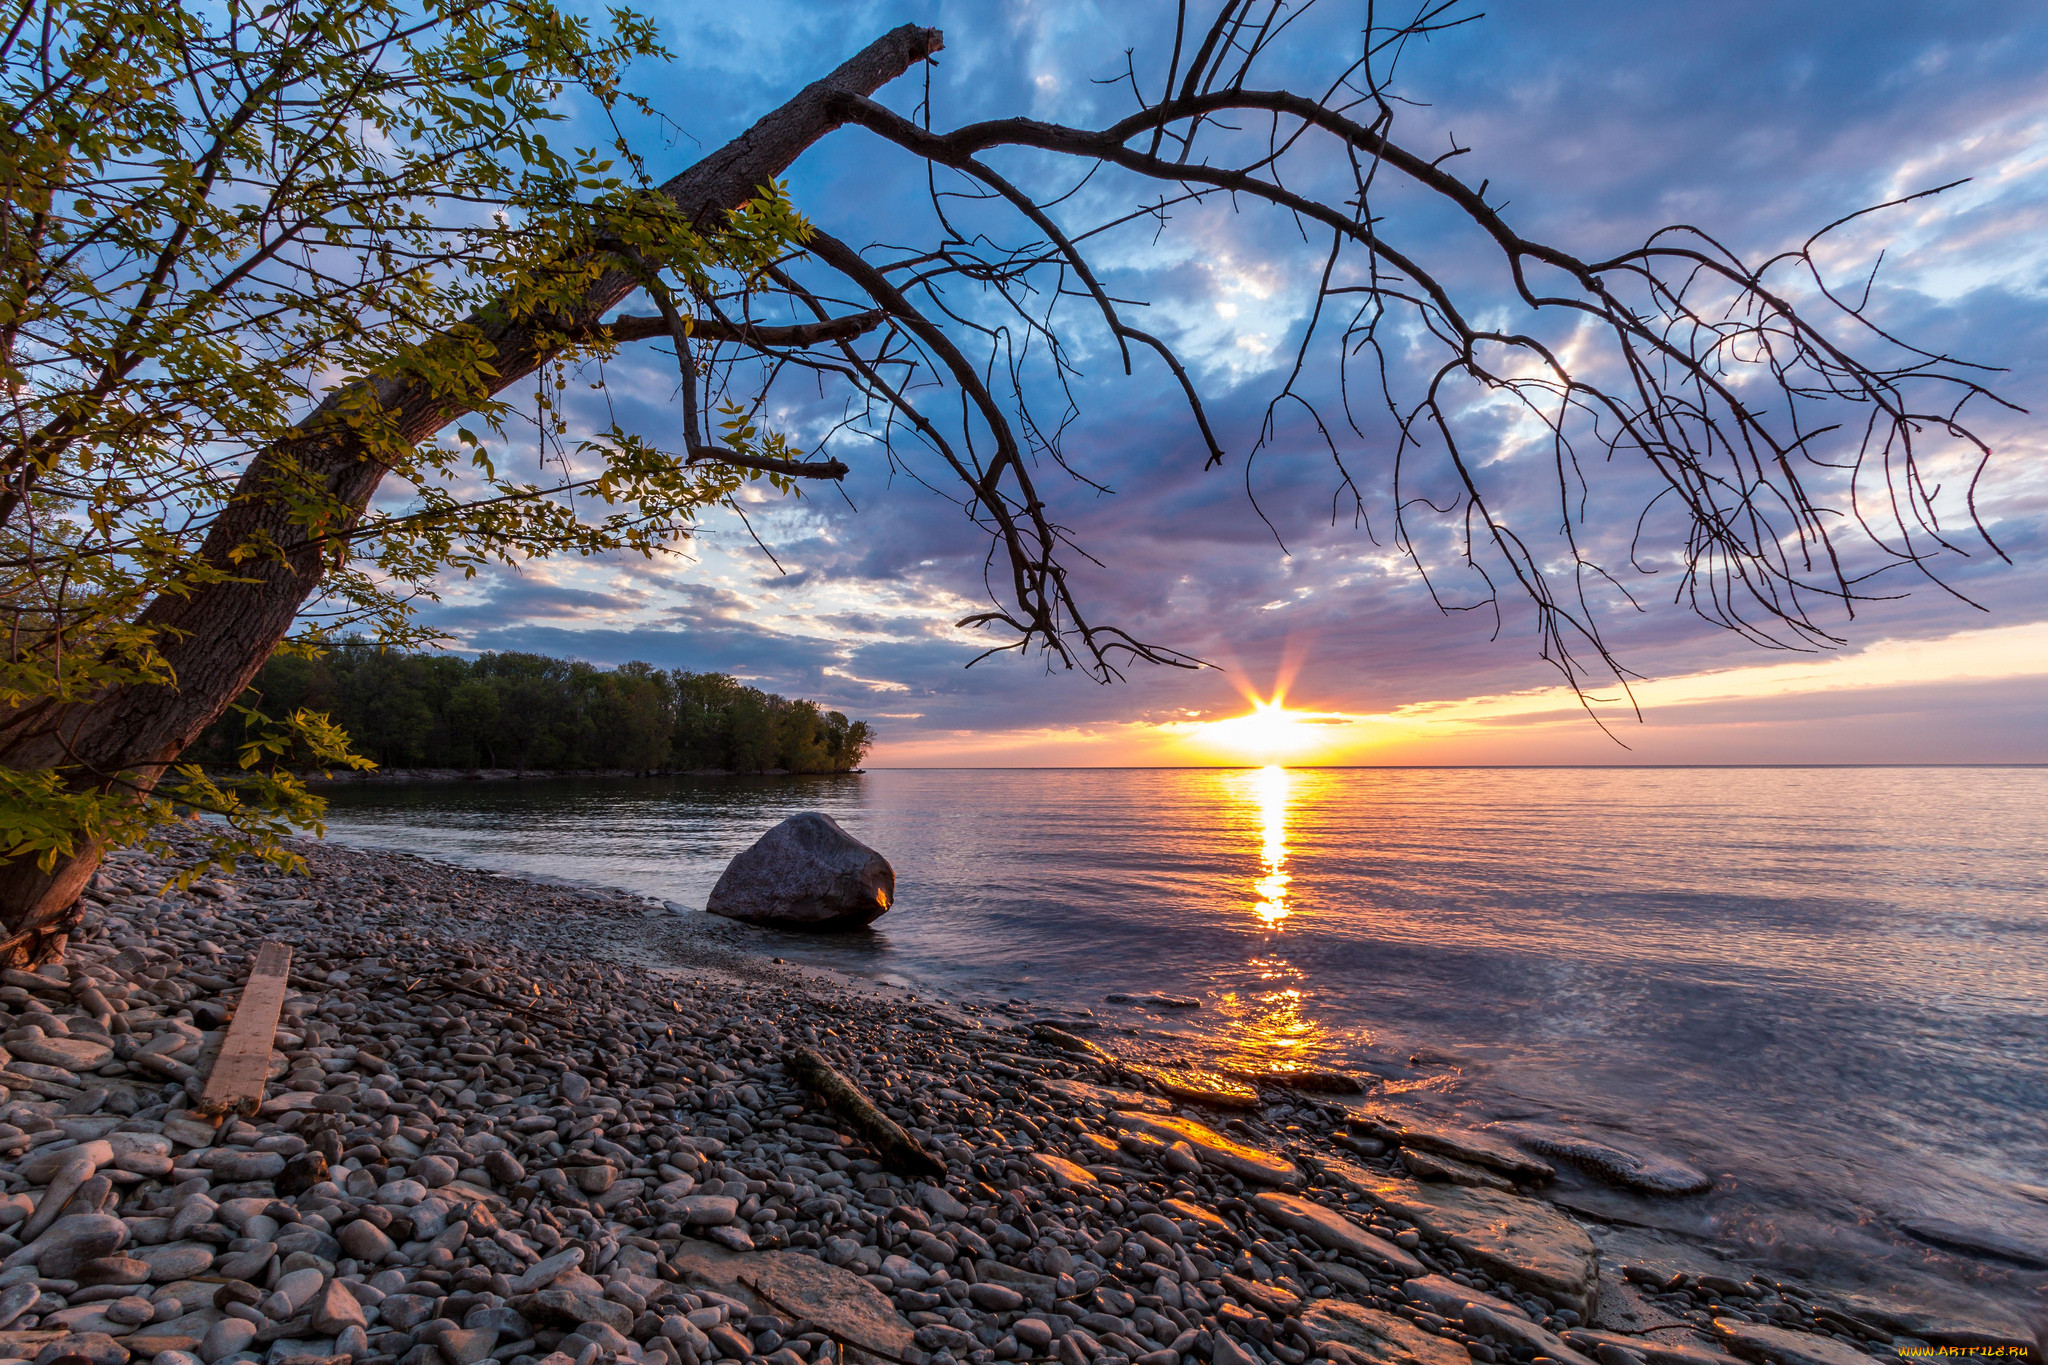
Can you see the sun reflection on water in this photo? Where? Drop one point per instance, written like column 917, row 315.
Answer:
column 1270, row 785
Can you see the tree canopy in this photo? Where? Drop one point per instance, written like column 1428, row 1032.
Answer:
column 528, row 711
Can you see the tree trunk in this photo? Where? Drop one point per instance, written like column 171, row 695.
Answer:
column 218, row 636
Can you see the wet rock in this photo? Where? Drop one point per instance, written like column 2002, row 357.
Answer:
column 1253, row 1165
column 1776, row 1346
column 1332, row 1230
column 1513, row 1329
column 1655, row 1350
column 1522, row 1241
column 1198, row 1086
column 1082, row 1092
column 1649, row 1173
column 1354, row 1335
column 1977, row 1240
column 806, row 873
column 1471, row 1145
column 1436, row 1166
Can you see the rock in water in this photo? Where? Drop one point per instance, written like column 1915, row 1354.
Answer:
column 806, row 873
column 1648, row 1172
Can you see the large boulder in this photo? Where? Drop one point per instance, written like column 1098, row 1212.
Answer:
column 806, row 873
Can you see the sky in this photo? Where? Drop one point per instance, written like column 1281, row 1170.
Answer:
column 1595, row 124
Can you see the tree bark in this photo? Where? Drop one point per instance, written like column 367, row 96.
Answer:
column 218, row 636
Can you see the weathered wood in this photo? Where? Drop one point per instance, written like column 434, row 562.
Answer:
column 240, row 1072
column 897, row 1148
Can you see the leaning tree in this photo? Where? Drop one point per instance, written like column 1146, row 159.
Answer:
column 262, row 264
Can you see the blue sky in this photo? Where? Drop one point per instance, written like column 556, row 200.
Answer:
column 1596, row 124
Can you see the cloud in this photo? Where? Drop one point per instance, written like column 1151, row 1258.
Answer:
column 1595, row 126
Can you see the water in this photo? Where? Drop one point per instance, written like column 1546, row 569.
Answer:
column 1824, row 986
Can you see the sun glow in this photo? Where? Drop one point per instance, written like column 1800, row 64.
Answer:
column 1269, row 732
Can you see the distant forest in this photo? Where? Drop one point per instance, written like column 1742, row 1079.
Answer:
column 527, row 711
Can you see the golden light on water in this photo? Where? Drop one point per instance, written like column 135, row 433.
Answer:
column 1270, row 785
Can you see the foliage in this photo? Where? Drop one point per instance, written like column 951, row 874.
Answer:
column 527, row 711
column 214, row 220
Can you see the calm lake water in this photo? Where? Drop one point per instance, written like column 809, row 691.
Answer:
column 1827, row 987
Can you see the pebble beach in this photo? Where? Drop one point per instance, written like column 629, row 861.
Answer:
column 542, row 1125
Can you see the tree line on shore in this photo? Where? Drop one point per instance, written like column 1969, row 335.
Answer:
column 528, row 711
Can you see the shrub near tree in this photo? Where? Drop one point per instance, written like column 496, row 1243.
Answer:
column 530, row 712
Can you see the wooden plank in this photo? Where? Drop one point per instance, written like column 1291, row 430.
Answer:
column 236, row 1083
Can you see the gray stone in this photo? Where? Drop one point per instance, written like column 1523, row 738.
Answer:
column 365, row 1241
column 568, row 1307
column 73, row 1054
column 96, row 1347
column 547, row 1271
column 468, row 1345
column 72, row 1241
column 433, row 1171
column 43, row 1166
column 403, row 1312
column 333, row 1310
column 706, row 1210
column 17, row 1300
column 234, row 1165
column 594, row 1179
column 806, row 873
column 175, row 1260
column 225, row 1338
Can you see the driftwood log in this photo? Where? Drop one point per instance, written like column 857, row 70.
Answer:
column 897, row 1149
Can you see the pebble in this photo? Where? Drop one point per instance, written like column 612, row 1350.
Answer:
column 532, row 1125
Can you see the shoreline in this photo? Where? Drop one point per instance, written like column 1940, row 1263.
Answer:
column 524, row 1122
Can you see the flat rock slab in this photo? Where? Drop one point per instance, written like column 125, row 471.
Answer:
column 1062, row 1172
column 1647, row 1172
column 1961, row 1319
column 1522, row 1241
column 1426, row 1165
column 1776, row 1346
column 1658, row 1350
column 1196, row 1086
column 1361, row 1335
column 1253, row 1165
column 1515, row 1329
column 1974, row 1240
column 1462, row 1144
column 840, row 1303
column 1446, row 1298
column 1332, row 1230
column 1082, row 1092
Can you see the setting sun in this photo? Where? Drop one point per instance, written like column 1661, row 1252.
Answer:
column 1269, row 733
